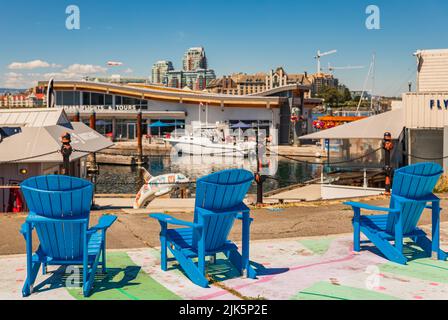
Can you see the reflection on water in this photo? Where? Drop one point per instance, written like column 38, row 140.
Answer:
column 124, row 179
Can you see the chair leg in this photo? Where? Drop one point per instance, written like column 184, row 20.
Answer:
column 31, row 278
column 399, row 234
column 357, row 230
column 190, row 268
column 163, row 247
column 436, row 252
column 245, row 260
column 163, row 254
column 201, row 264
column 388, row 250
column 32, row 268
column 103, row 257
column 237, row 260
column 90, row 279
column 44, row 269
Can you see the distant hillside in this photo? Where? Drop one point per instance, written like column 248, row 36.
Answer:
column 4, row 90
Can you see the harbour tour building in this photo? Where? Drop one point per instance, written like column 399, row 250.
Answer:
column 116, row 107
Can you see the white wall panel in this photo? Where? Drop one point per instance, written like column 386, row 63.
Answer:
column 420, row 114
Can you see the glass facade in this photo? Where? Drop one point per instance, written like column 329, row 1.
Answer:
column 77, row 98
column 68, row 98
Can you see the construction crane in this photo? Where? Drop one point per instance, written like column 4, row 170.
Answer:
column 320, row 55
column 331, row 69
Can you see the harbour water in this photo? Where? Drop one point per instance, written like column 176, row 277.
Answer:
column 127, row 180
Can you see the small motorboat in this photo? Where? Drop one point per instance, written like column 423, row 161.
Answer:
column 158, row 186
column 209, row 146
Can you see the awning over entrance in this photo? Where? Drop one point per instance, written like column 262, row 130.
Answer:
column 372, row 127
column 40, row 144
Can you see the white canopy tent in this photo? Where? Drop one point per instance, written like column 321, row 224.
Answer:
column 372, row 127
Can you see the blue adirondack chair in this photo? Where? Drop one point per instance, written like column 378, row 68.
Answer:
column 412, row 192
column 59, row 212
column 219, row 201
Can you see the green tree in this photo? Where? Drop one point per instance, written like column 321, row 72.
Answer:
column 347, row 95
column 331, row 95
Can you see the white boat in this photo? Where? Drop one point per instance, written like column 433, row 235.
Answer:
column 204, row 145
column 158, row 186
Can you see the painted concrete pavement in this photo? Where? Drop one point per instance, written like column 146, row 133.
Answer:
column 298, row 269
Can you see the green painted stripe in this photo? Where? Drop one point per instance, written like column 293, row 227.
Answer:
column 327, row 291
column 125, row 281
column 317, row 246
column 423, row 269
column 127, row 294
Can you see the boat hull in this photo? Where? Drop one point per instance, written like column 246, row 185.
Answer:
column 213, row 149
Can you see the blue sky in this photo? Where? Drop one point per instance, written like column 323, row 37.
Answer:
column 238, row 35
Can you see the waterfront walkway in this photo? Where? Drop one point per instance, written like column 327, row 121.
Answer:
column 301, row 251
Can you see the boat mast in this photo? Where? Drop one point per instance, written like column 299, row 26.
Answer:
column 373, row 82
column 365, row 83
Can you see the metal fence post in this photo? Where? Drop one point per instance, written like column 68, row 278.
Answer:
column 139, row 139
column 258, row 178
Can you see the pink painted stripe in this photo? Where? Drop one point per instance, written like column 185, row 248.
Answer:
column 269, row 278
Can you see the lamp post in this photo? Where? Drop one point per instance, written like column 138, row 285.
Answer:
column 66, row 151
column 259, row 178
column 388, row 146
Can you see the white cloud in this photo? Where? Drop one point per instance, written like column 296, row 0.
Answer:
column 17, row 81
column 84, row 69
column 128, row 70
column 30, row 79
column 31, row 65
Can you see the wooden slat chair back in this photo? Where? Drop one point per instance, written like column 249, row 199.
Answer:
column 59, row 197
column 219, row 192
column 412, row 192
column 412, row 182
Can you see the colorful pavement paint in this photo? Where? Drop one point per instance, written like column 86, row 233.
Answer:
column 125, row 281
column 291, row 269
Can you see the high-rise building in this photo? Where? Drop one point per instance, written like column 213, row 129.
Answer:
column 194, row 59
column 159, row 71
column 194, row 73
column 195, row 80
column 321, row 80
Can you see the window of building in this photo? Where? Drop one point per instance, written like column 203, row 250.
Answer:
column 104, row 127
column 97, row 99
column 108, row 100
column 125, row 130
column 86, row 98
column 59, row 98
column 69, row 98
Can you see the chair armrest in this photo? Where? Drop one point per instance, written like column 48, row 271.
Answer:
column 241, row 208
column 429, row 206
column 429, row 198
column 240, row 216
column 104, row 223
column 23, row 230
column 161, row 217
column 370, row 207
column 34, row 218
